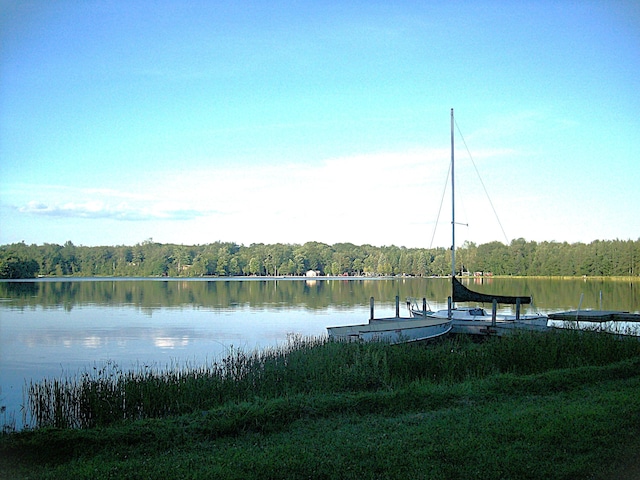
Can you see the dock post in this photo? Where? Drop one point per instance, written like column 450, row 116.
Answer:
column 449, row 307
column 424, row 305
column 494, row 311
column 397, row 306
column 517, row 309
column 371, row 308
column 579, row 308
column 600, row 304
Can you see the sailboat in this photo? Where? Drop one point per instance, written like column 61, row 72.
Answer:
column 476, row 319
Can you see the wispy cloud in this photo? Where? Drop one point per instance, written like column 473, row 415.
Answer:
column 59, row 201
column 105, row 210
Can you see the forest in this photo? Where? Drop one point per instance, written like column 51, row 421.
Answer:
column 149, row 258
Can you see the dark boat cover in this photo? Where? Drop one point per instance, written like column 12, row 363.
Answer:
column 463, row 294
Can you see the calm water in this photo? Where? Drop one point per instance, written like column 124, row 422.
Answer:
column 53, row 328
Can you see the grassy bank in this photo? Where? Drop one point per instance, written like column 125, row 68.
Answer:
column 559, row 405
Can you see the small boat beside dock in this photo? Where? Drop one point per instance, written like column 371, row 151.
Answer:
column 392, row 330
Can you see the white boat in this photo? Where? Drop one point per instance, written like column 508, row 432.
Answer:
column 476, row 319
column 462, row 316
column 393, row 330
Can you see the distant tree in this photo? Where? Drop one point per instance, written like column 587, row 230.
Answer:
column 234, row 266
column 16, row 268
column 606, row 258
column 384, row 265
column 299, row 263
column 441, row 264
column 255, row 266
column 405, row 262
column 419, row 263
column 358, row 266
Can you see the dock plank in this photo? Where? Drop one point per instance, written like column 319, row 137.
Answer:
column 596, row 316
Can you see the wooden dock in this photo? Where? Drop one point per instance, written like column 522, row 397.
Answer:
column 490, row 326
column 479, row 326
column 499, row 329
column 598, row 316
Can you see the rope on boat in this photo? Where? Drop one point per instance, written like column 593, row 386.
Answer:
column 481, row 182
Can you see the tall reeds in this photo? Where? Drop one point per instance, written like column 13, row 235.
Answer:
column 107, row 394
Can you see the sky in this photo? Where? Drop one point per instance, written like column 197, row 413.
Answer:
column 294, row 121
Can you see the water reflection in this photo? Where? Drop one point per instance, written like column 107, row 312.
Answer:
column 315, row 294
column 171, row 342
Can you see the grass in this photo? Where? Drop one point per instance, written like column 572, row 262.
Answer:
column 557, row 405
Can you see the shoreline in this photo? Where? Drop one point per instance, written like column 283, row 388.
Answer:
column 215, row 278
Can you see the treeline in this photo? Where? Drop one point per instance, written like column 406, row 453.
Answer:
column 599, row 258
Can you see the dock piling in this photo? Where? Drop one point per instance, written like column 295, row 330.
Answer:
column 494, row 312
column 371, row 317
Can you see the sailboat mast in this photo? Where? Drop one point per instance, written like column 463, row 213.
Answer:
column 453, row 211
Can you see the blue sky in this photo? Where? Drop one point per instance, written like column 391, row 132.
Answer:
column 192, row 122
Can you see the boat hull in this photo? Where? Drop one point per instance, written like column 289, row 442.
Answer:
column 476, row 313
column 476, row 321
column 392, row 330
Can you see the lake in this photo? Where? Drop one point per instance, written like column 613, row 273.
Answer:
column 55, row 328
